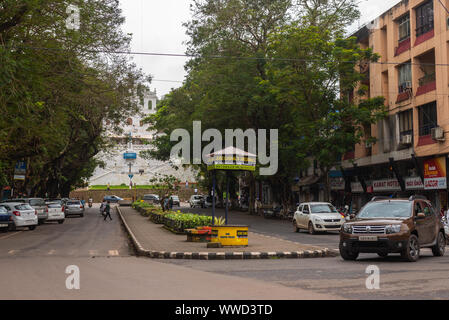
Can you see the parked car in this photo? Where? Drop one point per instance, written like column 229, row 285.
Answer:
column 317, row 216
column 386, row 226
column 5, row 219
column 23, row 215
column 112, row 199
column 35, row 203
column 196, row 201
column 176, row 201
column 208, row 201
column 74, row 207
column 55, row 211
column 151, row 198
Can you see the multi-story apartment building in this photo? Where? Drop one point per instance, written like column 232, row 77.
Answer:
column 410, row 155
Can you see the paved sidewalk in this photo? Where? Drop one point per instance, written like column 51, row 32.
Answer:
column 154, row 240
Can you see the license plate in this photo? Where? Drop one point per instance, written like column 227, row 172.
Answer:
column 3, row 225
column 40, row 211
column 367, row 238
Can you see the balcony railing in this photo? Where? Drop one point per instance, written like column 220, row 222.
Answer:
column 428, row 78
column 424, row 29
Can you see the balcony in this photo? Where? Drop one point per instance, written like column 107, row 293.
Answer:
column 424, row 33
column 427, row 84
column 403, row 46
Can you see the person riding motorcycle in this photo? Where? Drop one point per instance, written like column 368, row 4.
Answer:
column 90, row 202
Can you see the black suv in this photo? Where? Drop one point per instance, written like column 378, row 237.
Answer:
column 386, row 225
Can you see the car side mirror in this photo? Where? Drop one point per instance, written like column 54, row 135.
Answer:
column 420, row 215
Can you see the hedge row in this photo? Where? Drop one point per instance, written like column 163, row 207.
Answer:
column 174, row 220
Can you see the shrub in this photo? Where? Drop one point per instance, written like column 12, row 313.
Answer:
column 182, row 221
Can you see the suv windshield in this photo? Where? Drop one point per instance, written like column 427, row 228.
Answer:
column 197, row 197
column 323, row 208
column 390, row 209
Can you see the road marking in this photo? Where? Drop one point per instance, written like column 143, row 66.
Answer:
column 10, row 235
column 93, row 252
column 12, row 252
column 113, row 252
column 51, row 252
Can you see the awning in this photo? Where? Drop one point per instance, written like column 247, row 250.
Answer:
column 308, row 181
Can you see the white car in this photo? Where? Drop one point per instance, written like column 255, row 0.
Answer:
column 23, row 215
column 317, row 216
column 55, row 212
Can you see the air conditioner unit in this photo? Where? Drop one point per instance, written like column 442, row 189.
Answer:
column 437, row 134
column 406, row 139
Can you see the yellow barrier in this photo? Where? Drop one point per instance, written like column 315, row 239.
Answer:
column 230, row 235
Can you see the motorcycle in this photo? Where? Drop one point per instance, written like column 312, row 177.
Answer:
column 90, row 203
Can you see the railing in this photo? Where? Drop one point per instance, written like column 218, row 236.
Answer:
column 426, row 130
column 424, row 29
column 428, row 78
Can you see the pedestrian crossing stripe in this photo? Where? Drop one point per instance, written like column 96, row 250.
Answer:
column 113, row 252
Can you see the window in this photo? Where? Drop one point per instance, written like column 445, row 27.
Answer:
column 424, row 18
column 427, row 118
column 405, row 77
column 406, row 122
column 404, row 28
column 305, row 209
column 150, row 104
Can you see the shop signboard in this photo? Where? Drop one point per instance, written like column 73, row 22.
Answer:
column 414, row 183
column 435, row 174
column 337, row 184
column 386, row 185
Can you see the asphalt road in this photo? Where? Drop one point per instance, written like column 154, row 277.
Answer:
column 33, row 265
column 274, row 227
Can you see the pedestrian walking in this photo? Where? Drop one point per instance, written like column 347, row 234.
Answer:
column 107, row 211
column 170, row 203
column 102, row 206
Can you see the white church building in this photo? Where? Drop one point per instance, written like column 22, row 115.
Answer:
column 124, row 163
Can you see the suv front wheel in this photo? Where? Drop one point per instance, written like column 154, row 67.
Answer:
column 439, row 247
column 411, row 251
column 348, row 255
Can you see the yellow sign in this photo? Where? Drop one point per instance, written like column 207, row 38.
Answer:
column 231, row 167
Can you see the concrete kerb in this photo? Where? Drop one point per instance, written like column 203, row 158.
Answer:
column 222, row 255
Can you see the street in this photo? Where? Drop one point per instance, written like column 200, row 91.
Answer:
column 273, row 227
column 37, row 261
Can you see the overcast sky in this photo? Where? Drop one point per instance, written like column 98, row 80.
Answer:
column 156, row 26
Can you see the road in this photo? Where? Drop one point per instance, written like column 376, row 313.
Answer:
column 36, row 262
column 274, row 227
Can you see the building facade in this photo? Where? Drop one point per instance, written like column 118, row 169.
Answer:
column 124, row 163
column 411, row 149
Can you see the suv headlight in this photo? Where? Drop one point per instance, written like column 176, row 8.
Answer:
column 394, row 228
column 347, row 228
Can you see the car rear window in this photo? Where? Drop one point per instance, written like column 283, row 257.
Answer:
column 24, row 206
column 148, row 197
column 54, row 205
column 71, row 203
column 3, row 210
column 197, row 197
column 37, row 202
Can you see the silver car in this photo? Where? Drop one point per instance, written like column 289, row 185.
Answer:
column 36, row 203
column 196, row 201
column 74, row 207
column 23, row 215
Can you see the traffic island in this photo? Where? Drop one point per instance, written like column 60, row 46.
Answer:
column 153, row 241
